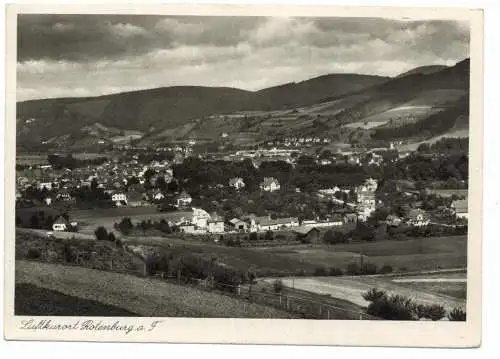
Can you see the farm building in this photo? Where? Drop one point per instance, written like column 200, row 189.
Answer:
column 237, row 183
column 215, row 225
column 460, row 208
column 119, row 199
column 60, row 224
column 183, row 200
column 262, row 224
column 238, row 225
column 417, row 217
column 307, row 234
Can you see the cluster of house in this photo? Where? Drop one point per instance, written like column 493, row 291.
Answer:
column 201, row 222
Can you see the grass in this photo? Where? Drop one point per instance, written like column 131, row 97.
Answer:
column 410, row 255
column 32, row 300
column 413, row 254
column 147, row 297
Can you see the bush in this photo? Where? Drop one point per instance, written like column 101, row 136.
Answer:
column 395, row 307
column 111, row 237
column 435, row 312
column 33, row 253
column 278, row 285
column 457, row 315
column 386, row 269
column 101, row 234
column 374, row 295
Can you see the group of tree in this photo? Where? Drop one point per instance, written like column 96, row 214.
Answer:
column 126, row 226
column 102, row 234
column 186, row 267
column 398, row 307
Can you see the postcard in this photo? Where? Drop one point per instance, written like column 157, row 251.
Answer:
column 250, row 174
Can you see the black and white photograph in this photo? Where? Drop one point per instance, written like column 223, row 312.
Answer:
column 249, row 167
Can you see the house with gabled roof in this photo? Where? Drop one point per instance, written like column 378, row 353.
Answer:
column 460, row 208
column 60, row 224
column 270, row 184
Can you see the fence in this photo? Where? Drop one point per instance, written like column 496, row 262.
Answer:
column 291, row 302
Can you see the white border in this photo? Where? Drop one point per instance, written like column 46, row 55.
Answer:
column 279, row 331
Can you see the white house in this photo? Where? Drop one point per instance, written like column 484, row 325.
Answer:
column 48, row 201
column 270, row 184
column 460, row 208
column 237, row 183
column 119, row 199
column 183, row 200
column 417, row 217
column 47, row 185
column 216, row 225
column 200, row 218
column 60, row 224
column 262, row 224
column 158, row 196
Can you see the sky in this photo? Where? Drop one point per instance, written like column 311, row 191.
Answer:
column 92, row 55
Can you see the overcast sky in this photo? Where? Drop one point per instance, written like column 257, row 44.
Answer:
column 87, row 55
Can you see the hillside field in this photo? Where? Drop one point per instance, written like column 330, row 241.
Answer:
column 409, row 255
column 145, row 297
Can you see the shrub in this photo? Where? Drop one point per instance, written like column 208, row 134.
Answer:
column 457, row 315
column 374, row 295
column 33, row 253
column 111, row 237
column 101, row 234
column 435, row 312
column 278, row 285
column 395, row 307
column 386, row 269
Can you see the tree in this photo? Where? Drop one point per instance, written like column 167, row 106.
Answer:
column 269, row 236
column 457, row 314
column 125, row 225
column 111, row 237
column 101, row 234
column 278, row 285
column 164, row 226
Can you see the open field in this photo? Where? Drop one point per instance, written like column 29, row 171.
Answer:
column 144, row 296
column 89, row 220
column 408, row 255
column 449, row 295
column 31, row 159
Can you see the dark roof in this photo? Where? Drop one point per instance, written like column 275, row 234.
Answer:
column 305, row 230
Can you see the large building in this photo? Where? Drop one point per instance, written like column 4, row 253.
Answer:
column 366, row 201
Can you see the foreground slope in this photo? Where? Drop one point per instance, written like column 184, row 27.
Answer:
column 142, row 296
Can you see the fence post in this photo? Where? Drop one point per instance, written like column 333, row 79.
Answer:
column 287, row 303
column 320, row 309
column 328, row 313
column 280, row 299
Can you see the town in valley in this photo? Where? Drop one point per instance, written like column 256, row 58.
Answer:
column 342, row 196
